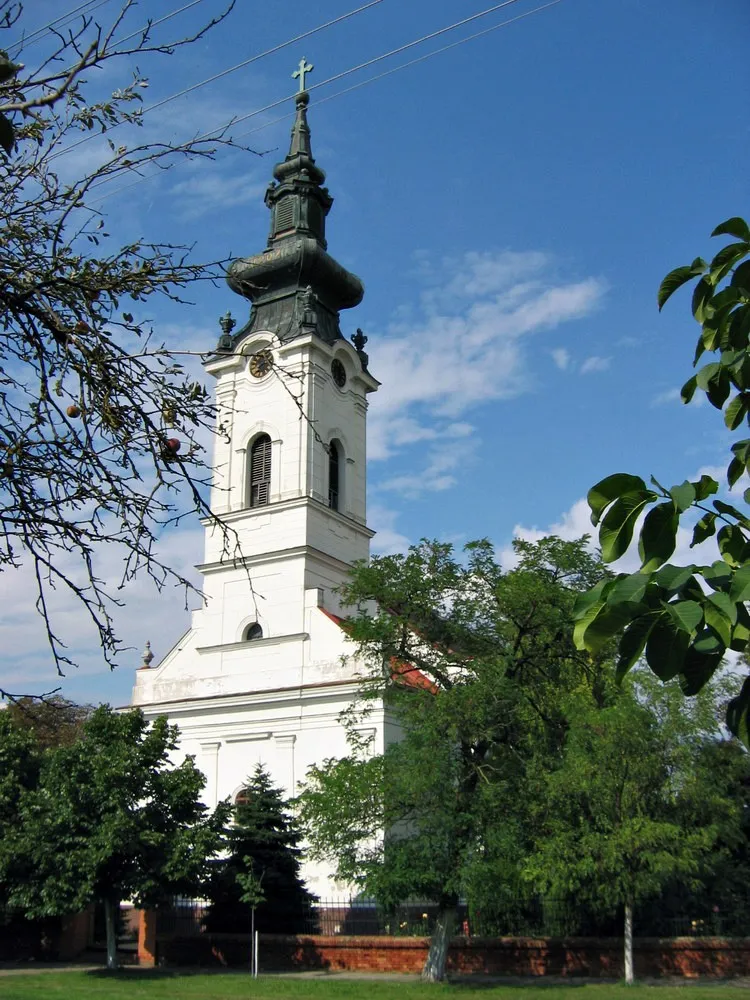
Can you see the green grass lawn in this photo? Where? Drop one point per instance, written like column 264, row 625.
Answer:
column 178, row 985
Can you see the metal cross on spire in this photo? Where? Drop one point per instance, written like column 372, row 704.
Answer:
column 304, row 68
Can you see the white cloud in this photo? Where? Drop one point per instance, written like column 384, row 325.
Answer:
column 468, row 347
column 595, row 364
column 437, row 475
column 667, row 396
column 387, row 540
column 561, row 357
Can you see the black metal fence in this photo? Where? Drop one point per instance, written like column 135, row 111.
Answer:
column 513, row 917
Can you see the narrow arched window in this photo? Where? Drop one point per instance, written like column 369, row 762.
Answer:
column 253, row 631
column 334, row 475
column 260, row 471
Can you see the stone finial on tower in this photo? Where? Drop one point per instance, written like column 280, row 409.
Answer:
column 147, row 656
column 227, row 324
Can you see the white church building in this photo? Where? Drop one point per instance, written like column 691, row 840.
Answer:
column 266, row 669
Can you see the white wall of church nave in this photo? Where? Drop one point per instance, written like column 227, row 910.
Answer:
column 287, row 738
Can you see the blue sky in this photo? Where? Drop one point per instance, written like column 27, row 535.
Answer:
column 511, row 205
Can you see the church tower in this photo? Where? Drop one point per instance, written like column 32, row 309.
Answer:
column 263, row 673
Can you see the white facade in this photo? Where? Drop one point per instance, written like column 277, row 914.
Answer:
column 275, row 699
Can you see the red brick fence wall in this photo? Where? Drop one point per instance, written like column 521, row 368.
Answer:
column 689, row 957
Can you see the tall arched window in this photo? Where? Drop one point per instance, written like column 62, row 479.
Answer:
column 334, row 475
column 260, row 471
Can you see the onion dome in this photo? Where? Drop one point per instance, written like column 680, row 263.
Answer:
column 295, row 286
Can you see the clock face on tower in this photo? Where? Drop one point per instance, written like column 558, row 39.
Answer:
column 261, row 363
column 339, row 373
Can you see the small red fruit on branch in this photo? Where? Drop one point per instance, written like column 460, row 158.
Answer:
column 170, row 448
column 73, row 411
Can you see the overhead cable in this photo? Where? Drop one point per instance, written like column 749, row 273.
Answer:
column 363, row 83
column 232, row 69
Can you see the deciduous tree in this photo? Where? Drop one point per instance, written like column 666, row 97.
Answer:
column 469, row 660
column 97, row 419
column 609, row 827
column 110, row 819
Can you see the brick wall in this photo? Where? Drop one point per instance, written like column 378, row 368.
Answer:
column 689, row 957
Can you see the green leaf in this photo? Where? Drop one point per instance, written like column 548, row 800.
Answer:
column 727, row 508
column 735, row 226
column 726, row 258
column 628, row 589
column 718, row 576
column 609, row 489
column 683, row 495
column 666, row 647
column 719, row 622
column 708, row 643
column 588, row 598
column 719, row 388
column 735, row 470
column 697, row 671
column 686, row 615
column 616, row 532
column 739, row 592
column 738, row 714
column 702, row 296
column 705, row 487
column 741, row 277
column 688, row 390
column 707, row 372
column 658, row 535
column 675, row 279
column 735, row 411
column 725, row 604
column 732, row 545
column 673, row 578
column 600, row 627
column 7, row 135
column 633, row 643
column 704, row 529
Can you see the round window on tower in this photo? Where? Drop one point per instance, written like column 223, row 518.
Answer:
column 338, row 372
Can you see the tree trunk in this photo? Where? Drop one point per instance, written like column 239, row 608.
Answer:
column 629, row 944
column 434, row 966
column 111, row 906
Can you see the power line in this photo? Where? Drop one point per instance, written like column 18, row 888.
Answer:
column 363, row 83
column 152, row 24
column 60, row 21
column 363, row 65
column 226, row 72
column 411, row 62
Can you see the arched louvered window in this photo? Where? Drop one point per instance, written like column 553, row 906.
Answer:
column 334, row 475
column 260, row 471
column 253, row 631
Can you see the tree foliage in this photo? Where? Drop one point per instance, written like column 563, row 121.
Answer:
column 611, row 824
column 98, row 420
column 53, row 721
column 262, row 868
column 104, row 819
column 470, row 661
column 683, row 619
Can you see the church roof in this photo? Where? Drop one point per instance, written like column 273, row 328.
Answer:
column 295, row 285
column 408, row 674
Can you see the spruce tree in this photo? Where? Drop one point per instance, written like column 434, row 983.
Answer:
column 263, row 841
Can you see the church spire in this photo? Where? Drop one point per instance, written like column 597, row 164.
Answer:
column 294, row 285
